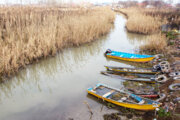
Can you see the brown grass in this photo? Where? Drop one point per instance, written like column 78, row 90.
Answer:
column 156, row 43
column 171, row 15
column 30, row 33
column 149, row 21
column 139, row 22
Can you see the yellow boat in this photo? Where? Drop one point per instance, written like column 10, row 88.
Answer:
column 122, row 98
column 128, row 56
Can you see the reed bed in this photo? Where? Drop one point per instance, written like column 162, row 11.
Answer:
column 171, row 15
column 139, row 22
column 156, row 43
column 149, row 21
column 30, row 33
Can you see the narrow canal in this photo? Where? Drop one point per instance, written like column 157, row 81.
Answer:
column 55, row 88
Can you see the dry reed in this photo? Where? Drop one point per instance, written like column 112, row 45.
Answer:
column 139, row 22
column 156, row 43
column 171, row 15
column 30, row 33
column 149, row 21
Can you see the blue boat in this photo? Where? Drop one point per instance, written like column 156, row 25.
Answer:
column 128, row 56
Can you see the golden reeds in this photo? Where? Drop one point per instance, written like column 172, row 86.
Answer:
column 149, row 21
column 156, row 43
column 139, row 22
column 30, row 33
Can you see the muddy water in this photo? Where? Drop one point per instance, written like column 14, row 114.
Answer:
column 55, row 88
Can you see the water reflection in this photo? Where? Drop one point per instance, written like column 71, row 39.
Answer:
column 136, row 37
column 133, row 38
column 66, row 61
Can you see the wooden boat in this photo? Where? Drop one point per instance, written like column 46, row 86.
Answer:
column 121, row 98
column 133, row 70
column 128, row 56
column 116, row 75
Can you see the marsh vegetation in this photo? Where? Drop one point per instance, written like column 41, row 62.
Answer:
column 28, row 33
column 148, row 21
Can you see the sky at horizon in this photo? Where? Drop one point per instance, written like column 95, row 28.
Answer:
column 68, row 1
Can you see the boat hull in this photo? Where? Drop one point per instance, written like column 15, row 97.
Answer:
column 127, row 105
column 129, row 70
column 131, row 59
column 126, row 78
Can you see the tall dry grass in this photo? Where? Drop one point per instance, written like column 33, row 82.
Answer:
column 171, row 15
column 140, row 22
column 30, row 33
column 156, row 43
column 149, row 21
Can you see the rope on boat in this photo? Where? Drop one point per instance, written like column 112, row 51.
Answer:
column 174, row 87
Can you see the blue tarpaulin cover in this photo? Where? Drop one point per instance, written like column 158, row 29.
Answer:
column 128, row 55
